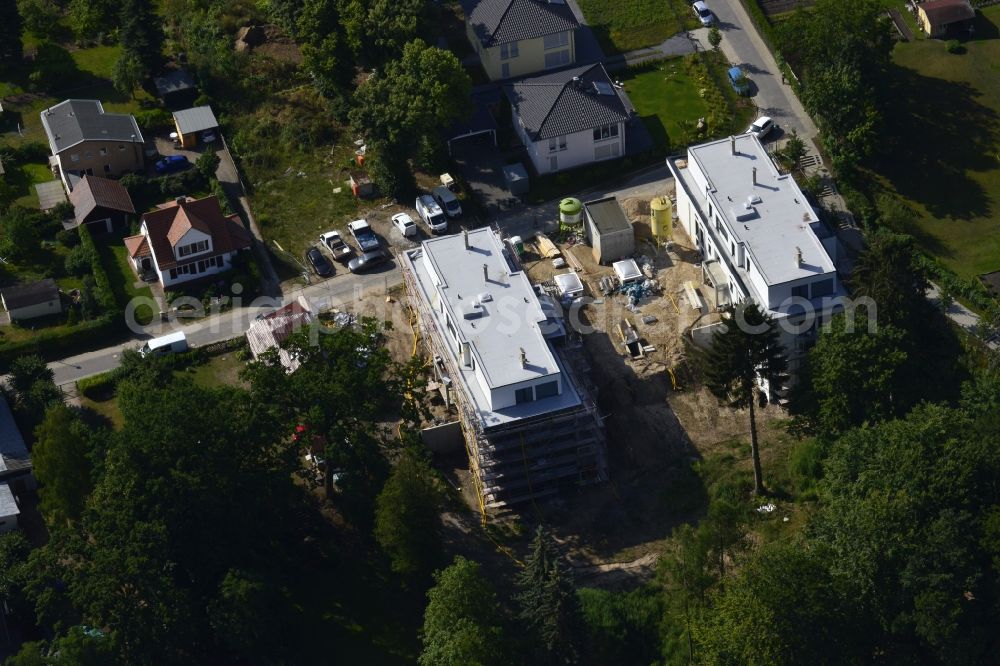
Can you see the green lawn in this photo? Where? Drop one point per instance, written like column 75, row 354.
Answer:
column 115, row 259
column 24, row 177
column 669, row 99
column 945, row 159
column 624, row 25
column 106, row 408
column 218, row 371
column 668, row 102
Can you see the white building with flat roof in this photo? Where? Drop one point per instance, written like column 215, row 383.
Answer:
column 759, row 237
column 494, row 345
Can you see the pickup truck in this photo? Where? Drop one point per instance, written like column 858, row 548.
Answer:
column 363, row 234
column 341, row 250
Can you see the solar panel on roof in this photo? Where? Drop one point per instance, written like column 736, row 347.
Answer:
column 603, row 88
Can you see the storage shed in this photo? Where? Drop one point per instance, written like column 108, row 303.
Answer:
column 515, row 177
column 31, row 300
column 176, row 89
column 192, row 123
column 608, row 230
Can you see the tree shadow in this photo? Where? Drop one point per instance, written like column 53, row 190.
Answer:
column 939, row 134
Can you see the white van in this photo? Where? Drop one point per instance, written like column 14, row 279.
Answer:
column 447, row 200
column 431, row 214
column 173, row 343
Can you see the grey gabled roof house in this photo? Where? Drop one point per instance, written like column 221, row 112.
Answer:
column 519, row 37
column 570, row 117
column 74, row 121
column 503, row 21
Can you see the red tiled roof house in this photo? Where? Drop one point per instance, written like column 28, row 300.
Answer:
column 186, row 239
column 101, row 203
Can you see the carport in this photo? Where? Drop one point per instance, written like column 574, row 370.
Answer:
column 481, row 124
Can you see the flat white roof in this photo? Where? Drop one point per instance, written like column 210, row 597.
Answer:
column 771, row 217
column 168, row 339
column 510, row 319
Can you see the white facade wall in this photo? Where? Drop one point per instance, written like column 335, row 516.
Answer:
column 37, row 310
column 579, row 149
column 500, row 396
column 166, row 280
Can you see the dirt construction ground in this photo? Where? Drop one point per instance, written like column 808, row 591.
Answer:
column 657, row 426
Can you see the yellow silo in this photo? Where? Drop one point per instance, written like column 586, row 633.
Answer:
column 660, row 219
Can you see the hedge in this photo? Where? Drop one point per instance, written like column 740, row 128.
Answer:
column 98, row 387
column 66, row 340
column 103, row 293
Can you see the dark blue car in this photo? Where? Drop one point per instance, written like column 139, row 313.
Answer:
column 171, row 163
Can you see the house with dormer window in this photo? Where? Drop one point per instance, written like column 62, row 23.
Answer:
column 569, row 118
column 186, row 239
column 518, row 37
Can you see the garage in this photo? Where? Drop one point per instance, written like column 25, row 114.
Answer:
column 194, row 125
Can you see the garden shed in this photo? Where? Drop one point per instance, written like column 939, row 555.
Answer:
column 33, row 299
column 608, row 230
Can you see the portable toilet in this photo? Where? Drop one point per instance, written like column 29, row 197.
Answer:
column 570, row 211
column 518, row 244
column 660, row 218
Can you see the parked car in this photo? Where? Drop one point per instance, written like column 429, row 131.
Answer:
column 319, row 263
column 367, row 261
column 171, row 164
column 703, row 13
column 173, row 343
column 739, row 81
column 447, row 200
column 363, row 234
column 761, row 127
column 404, row 224
column 341, row 250
column 432, row 215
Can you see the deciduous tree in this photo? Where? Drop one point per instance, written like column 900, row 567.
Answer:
column 463, row 621
column 62, row 465
column 414, row 97
column 407, row 522
column 127, row 73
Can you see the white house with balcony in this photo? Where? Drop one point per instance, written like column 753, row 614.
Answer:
column 569, row 118
column 186, row 239
column 533, row 428
column 759, row 237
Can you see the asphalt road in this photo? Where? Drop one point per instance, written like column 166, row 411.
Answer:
column 743, row 46
column 340, row 289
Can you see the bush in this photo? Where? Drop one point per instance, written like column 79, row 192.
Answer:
column 153, row 118
column 207, row 165
column 80, row 261
column 104, row 295
column 68, row 237
column 954, row 46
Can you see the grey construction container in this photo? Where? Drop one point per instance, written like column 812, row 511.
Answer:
column 515, row 177
column 608, row 230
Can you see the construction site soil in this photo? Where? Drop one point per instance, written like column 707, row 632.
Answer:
column 659, row 419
